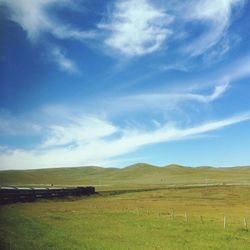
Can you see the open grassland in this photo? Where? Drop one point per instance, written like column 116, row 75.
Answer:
column 135, row 220
column 132, row 177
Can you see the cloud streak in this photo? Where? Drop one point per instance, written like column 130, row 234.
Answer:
column 64, row 63
column 79, row 130
column 136, row 28
column 216, row 15
column 97, row 149
column 167, row 101
column 13, row 126
column 34, row 17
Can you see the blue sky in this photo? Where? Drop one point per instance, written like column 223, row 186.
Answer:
column 111, row 83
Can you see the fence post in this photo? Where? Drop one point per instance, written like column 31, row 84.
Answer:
column 172, row 214
column 186, row 217
column 225, row 222
column 245, row 223
column 201, row 219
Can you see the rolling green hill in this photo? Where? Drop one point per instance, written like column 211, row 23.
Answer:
column 134, row 176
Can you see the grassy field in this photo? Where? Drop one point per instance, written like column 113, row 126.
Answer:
column 134, row 220
column 138, row 207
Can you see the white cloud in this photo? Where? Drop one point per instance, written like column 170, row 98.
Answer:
column 136, row 27
column 34, row 17
column 80, row 130
column 69, row 139
column 175, row 66
column 63, row 62
column 30, row 15
column 15, row 126
column 218, row 91
column 204, row 90
column 164, row 101
column 239, row 69
column 216, row 16
column 225, row 76
column 98, row 150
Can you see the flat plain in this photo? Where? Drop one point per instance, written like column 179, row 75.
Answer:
column 184, row 208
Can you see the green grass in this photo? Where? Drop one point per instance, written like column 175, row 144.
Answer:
column 135, row 176
column 133, row 220
column 133, row 210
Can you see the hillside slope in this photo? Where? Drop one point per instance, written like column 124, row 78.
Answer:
column 137, row 175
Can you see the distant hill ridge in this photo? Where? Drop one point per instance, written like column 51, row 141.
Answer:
column 133, row 175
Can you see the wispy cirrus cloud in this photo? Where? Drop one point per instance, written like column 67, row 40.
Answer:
column 216, row 17
column 78, row 130
column 136, row 28
column 239, row 69
column 201, row 93
column 35, row 18
column 76, row 139
column 165, row 101
column 13, row 126
column 99, row 150
column 64, row 63
column 219, row 90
